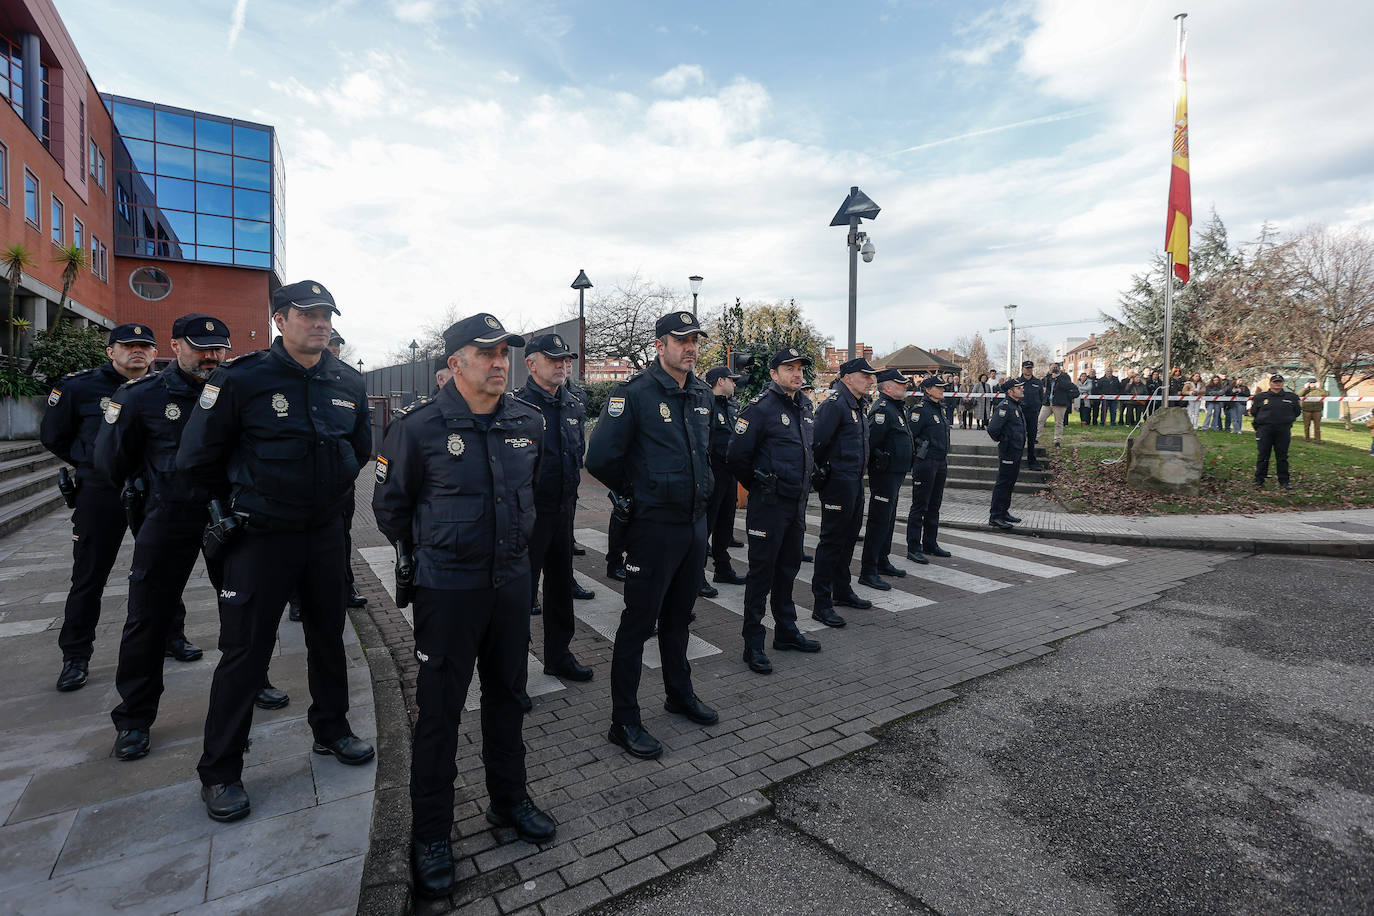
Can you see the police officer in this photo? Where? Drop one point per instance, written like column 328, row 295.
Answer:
column 290, row 427
column 1007, row 427
column 76, row 407
column 1274, row 412
column 720, row 515
column 336, row 342
column 889, row 458
column 1032, row 400
column 770, row 453
column 457, row 484
column 651, row 446
column 841, row 452
column 549, row 361
column 930, row 441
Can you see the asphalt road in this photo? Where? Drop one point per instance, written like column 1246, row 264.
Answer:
column 1213, row 752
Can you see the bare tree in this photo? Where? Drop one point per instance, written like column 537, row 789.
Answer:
column 1028, row 346
column 977, row 359
column 620, row 321
column 430, row 337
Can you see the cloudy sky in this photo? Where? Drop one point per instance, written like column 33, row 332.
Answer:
column 481, row 152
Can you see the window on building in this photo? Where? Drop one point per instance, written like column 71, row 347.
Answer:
column 4, row 175
column 58, row 222
column 99, row 259
column 31, row 190
column 78, row 234
column 12, row 75
column 150, row 283
column 97, row 163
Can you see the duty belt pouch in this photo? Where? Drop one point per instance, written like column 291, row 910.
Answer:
column 66, row 485
column 222, row 531
column 922, row 449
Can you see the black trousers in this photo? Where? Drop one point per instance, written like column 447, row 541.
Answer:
column 260, row 572
column 98, row 527
column 663, row 565
column 164, row 556
column 348, row 536
column 1008, row 469
column 775, row 530
column 455, row 631
column 842, row 518
column 1275, row 439
column 948, row 407
column 615, row 545
column 1032, row 417
column 882, row 519
column 927, row 493
column 551, row 555
column 720, row 513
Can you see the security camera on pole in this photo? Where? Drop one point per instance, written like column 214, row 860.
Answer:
column 856, row 207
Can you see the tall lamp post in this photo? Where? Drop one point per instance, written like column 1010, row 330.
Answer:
column 696, row 288
column 414, row 387
column 1010, row 310
column 857, row 206
column 582, row 284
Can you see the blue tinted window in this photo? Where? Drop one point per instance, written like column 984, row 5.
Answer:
column 176, row 194
column 252, row 173
column 133, row 120
column 214, row 230
column 175, row 128
column 252, row 259
column 215, row 136
column 215, row 199
column 214, row 167
column 252, row 204
column 140, row 155
column 252, row 235
column 218, row 255
column 180, row 225
column 124, row 244
column 249, row 141
column 175, row 161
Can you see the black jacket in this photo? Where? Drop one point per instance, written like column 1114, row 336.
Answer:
column 142, row 441
column 889, row 438
column 76, row 408
column 1007, row 425
column 1060, row 390
column 928, row 426
column 291, row 440
column 841, row 438
column 722, row 428
column 1277, row 409
column 773, row 436
column 564, row 442
column 1033, row 398
column 1108, row 384
column 461, row 493
column 651, row 442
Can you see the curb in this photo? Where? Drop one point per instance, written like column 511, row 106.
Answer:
column 1360, row 550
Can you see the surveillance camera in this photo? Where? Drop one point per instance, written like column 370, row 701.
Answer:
column 868, row 251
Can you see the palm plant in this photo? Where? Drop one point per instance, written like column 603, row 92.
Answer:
column 73, row 261
column 14, row 259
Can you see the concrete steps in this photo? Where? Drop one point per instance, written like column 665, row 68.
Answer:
column 974, row 467
column 28, row 483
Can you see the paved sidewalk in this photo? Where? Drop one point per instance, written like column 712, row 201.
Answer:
column 85, row 833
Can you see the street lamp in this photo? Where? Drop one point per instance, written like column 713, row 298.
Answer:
column 414, row 381
column 857, row 206
column 360, row 367
column 582, row 284
column 696, row 288
column 1010, row 311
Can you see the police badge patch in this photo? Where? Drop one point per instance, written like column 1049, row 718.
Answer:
column 741, row 425
column 720, row 418
column 280, row 404
column 786, row 420
column 382, row 469
column 615, row 407
column 54, row 397
column 172, row 412
column 456, row 446
column 104, row 404
column 208, row 395
column 111, row 410
column 664, row 412
column 880, row 418
column 854, row 415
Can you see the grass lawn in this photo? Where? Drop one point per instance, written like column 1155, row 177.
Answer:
column 1337, row 474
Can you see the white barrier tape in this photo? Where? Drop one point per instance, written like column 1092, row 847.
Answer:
column 1154, row 397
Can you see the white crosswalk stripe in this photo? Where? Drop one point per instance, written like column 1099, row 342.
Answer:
column 1032, row 545
column 895, row 600
column 602, row 614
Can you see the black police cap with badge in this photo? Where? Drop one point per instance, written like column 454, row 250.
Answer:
column 481, row 330
column 788, row 355
column 892, row 375
column 132, row 334
column 204, row 332
column 678, row 324
column 551, row 345
column 857, row 365
column 718, row 373
column 1011, row 383
column 304, row 295
column 932, row 381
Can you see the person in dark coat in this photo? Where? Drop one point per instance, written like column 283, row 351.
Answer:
column 1274, row 412
column 1007, row 428
column 889, row 440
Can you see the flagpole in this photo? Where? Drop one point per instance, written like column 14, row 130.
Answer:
column 1169, row 267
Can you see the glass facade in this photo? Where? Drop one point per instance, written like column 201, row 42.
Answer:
column 196, row 187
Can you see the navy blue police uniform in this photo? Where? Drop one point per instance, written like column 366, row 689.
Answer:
column 1274, row 413
column 651, row 444
column 139, row 439
column 75, row 414
column 1007, row 427
column 456, row 491
column 720, row 513
column 555, row 495
column 1031, row 402
column 841, row 452
column 291, row 440
column 770, row 453
column 889, row 459
column 929, row 469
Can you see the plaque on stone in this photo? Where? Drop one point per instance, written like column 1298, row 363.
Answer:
column 1169, row 443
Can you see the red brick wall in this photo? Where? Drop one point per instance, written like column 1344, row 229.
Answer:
column 240, row 297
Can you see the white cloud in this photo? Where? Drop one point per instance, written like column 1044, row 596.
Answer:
column 676, row 80
column 236, row 21
column 505, row 76
column 415, row 11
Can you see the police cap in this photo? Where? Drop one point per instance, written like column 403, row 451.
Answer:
column 718, row 373
column 1011, row 383
column 932, row 381
column 551, row 345
column 1028, row 364
column 481, row 330
column 788, row 355
column 1275, row 377
column 678, row 324
column 131, row 334
column 857, row 365
column 202, row 331
column 336, row 338
column 892, row 375
column 304, row 295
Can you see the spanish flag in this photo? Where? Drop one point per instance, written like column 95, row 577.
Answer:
column 1180, row 216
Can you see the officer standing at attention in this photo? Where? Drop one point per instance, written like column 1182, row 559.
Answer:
column 930, row 439
column 1031, row 402
column 651, row 446
column 889, row 459
column 841, row 452
column 720, row 516
column 76, row 407
column 549, row 361
column 1007, row 427
column 770, row 453
column 289, row 426
column 456, row 493
column 1274, row 412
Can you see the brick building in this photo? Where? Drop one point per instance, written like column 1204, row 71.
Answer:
column 834, row 357
column 177, row 211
